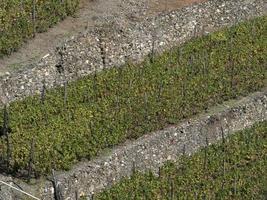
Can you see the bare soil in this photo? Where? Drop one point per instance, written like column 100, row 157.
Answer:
column 90, row 14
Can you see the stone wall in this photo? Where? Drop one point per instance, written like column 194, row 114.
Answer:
column 120, row 42
column 150, row 151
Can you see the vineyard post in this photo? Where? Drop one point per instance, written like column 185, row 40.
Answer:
column 31, row 159
column 160, row 177
column 254, row 38
column 43, row 92
column 146, row 106
column 248, row 139
column 117, row 103
column 235, row 184
column 205, row 154
column 34, row 17
column 223, row 156
column 205, row 66
column 183, row 99
column 76, row 195
column 195, row 31
column 43, row 99
column 152, row 55
column 134, row 168
column 231, row 65
column 65, row 92
column 21, row 6
column 61, row 69
column 172, row 189
column 223, row 149
column 6, row 133
column 184, row 150
column 191, row 62
column 160, row 90
column 102, row 47
column 95, row 84
column 87, row 94
column 195, row 194
column 180, row 56
column 183, row 92
column 235, row 176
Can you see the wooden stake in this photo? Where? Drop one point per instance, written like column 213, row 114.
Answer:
column 34, row 17
column 31, row 160
column 5, row 132
column 43, row 92
column 65, row 92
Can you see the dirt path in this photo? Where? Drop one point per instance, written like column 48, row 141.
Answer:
column 91, row 13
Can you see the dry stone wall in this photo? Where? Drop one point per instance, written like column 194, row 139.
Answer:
column 120, row 42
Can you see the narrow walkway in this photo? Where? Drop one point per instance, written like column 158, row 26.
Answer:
column 91, row 13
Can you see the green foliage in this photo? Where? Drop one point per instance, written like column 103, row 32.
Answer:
column 108, row 107
column 17, row 21
column 233, row 170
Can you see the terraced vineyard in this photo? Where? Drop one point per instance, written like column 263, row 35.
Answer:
column 235, row 168
column 75, row 122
